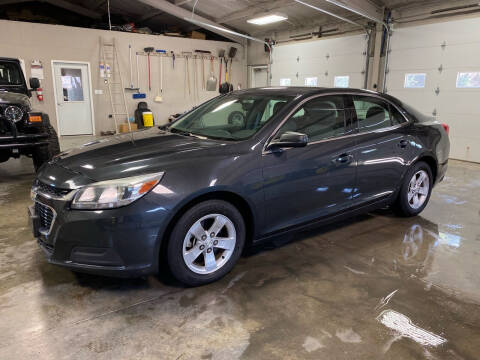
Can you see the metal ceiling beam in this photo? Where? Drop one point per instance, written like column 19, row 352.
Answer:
column 330, row 13
column 360, row 7
column 183, row 14
column 181, row 2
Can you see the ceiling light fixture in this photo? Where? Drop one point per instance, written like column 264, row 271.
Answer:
column 268, row 19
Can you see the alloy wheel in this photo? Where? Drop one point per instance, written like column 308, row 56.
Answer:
column 209, row 243
column 418, row 189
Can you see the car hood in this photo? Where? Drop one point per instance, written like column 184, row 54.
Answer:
column 126, row 155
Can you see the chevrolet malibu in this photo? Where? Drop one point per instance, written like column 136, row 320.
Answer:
column 240, row 168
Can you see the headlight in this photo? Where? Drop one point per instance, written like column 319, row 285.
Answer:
column 13, row 113
column 115, row 193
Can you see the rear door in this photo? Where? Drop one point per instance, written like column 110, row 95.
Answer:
column 303, row 184
column 382, row 148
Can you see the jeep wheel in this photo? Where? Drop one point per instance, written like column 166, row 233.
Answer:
column 42, row 154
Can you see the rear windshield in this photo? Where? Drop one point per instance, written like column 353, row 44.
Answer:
column 231, row 117
column 10, row 74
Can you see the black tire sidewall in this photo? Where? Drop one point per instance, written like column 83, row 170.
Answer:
column 44, row 153
column 403, row 206
column 175, row 260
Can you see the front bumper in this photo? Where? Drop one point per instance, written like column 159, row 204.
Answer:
column 23, row 141
column 122, row 242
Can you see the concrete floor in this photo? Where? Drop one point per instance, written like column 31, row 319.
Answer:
column 332, row 293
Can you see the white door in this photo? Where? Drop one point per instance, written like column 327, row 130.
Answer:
column 436, row 68
column 337, row 62
column 74, row 111
column 260, row 77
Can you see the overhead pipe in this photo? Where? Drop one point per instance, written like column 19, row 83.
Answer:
column 231, row 32
column 329, row 13
column 182, row 13
column 367, row 64
column 385, row 25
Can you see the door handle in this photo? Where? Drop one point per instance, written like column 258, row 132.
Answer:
column 344, row 159
column 403, row 144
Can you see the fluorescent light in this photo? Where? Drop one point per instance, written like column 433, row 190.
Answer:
column 264, row 20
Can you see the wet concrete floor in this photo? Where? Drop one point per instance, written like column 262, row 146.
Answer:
column 374, row 287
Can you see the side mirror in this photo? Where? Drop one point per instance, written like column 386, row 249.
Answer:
column 34, row 83
column 289, row 139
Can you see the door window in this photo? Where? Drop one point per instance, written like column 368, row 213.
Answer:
column 396, row 117
column 321, row 118
column 72, row 86
column 372, row 114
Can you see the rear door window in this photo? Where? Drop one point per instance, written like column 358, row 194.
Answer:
column 372, row 113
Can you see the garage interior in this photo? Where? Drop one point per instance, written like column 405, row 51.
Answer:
column 328, row 293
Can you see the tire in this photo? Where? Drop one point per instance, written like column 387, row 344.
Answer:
column 42, row 154
column 407, row 204
column 183, row 245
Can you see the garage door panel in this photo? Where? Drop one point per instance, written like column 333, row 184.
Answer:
column 460, row 102
column 419, row 99
column 341, row 56
column 396, row 80
column 450, row 32
column 419, row 49
column 462, row 55
column 463, row 148
column 419, row 59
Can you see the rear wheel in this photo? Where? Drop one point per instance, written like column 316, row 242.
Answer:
column 206, row 242
column 42, row 154
column 415, row 191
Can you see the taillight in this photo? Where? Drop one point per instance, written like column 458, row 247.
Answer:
column 446, row 128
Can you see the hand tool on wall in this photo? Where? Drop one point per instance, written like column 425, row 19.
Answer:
column 138, row 95
column 221, row 55
column 173, row 59
column 231, row 54
column 149, row 50
column 187, row 54
column 159, row 97
column 203, row 53
column 212, row 80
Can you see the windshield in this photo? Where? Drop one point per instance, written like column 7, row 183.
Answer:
column 10, row 74
column 231, row 117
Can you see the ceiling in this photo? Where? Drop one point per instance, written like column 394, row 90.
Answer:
column 230, row 13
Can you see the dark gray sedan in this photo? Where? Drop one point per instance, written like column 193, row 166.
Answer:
column 238, row 169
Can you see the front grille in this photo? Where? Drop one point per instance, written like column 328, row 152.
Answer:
column 50, row 190
column 46, row 216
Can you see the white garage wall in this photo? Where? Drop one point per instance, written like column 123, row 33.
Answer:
column 324, row 59
column 419, row 49
column 52, row 42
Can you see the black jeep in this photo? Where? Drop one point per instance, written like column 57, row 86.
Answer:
column 23, row 131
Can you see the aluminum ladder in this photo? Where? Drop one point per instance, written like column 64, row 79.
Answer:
column 113, row 80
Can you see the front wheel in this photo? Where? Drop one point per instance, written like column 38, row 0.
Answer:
column 206, row 242
column 415, row 191
column 44, row 153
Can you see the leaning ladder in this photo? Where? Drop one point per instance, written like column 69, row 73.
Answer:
column 114, row 81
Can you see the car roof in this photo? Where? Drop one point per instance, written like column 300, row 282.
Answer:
column 304, row 90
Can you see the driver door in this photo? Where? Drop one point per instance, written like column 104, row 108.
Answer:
column 316, row 181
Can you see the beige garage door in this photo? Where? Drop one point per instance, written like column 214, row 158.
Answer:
column 436, row 68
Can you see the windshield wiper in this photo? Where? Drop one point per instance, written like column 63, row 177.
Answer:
column 178, row 131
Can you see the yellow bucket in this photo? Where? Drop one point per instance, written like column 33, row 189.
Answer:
column 147, row 117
